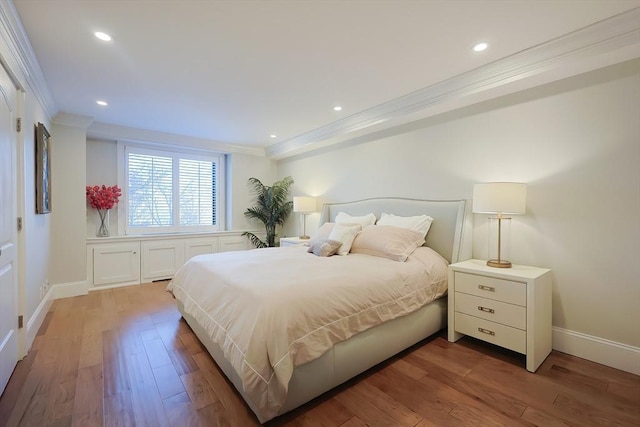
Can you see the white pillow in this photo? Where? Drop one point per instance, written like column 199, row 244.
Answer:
column 364, row 221
column 344, row 233
column 322, row 233
column 386, row 241
column 420, row 223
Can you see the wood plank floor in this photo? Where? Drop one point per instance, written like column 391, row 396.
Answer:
column 125, row 357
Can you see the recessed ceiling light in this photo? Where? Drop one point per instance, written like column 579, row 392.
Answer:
column 273, row 136
column 102, row 103
column 103, row 36
column 337, row 108
column 480, row 47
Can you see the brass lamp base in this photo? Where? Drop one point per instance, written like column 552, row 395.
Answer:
column 499, row 263
column 304, row 237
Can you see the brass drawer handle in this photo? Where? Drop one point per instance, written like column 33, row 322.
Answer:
column 486, row 310
column 486, row 288
column 486, row 331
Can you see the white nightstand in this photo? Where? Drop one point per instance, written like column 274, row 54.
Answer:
column 292, row 241
column 509, row 307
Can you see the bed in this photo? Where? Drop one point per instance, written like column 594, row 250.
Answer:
column 318, row 358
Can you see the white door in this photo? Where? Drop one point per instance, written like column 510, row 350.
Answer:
column 8, row 230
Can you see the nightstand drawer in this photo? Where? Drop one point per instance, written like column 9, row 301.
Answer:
column 504, row 336
column 492, row 288
column 495, row 311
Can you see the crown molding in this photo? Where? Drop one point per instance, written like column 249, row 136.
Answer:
column 18, row 56
column 105, row 131
column 579, row 51
column 73, row 120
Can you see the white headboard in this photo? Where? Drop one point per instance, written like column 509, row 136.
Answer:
column 451, row 230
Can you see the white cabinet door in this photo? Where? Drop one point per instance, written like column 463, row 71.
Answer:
column 161, row 259
column 117, row 263
column 233, row 243
column 206, row 245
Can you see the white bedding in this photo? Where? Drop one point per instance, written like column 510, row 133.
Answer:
column 273, row 309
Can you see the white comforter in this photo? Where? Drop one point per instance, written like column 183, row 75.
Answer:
column 272, row 309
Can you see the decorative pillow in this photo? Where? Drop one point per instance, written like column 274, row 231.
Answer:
column 387, row 242
column 322, row 233
column 324, row 247
column 420, row 223
column 364, row 221
column 344, row 233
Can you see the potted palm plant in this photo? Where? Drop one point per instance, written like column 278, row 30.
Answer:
column 271, row 208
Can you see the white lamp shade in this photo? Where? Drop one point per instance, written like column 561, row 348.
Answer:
column 304, row 204
column 500, row 197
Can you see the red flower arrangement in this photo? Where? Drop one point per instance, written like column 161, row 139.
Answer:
column 103, row 197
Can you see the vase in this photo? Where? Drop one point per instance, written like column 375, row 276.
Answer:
column 103, row 223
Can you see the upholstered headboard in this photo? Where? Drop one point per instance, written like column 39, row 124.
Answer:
column 450, row 232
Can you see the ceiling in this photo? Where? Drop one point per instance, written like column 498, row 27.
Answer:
column 236, row 72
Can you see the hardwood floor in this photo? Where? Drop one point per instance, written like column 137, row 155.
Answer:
column 125, row 357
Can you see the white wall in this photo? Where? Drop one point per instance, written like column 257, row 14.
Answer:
column 68, row 234
column 241, row 168
column 101, row 168
column 576, row 143
column 35, row 250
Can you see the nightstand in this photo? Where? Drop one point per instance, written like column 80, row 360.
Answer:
column 292, row 241
column 509, row 307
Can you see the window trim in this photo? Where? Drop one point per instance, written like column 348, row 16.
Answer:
column 174, row 151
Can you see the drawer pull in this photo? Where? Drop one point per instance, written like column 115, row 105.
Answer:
column 486, row 331
column 486, row 288
column 486, row 309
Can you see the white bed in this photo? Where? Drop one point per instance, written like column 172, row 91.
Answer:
column 345, row 358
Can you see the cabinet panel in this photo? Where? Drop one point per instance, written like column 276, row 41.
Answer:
column 504, row 336
column 495, row 311
column 492, row 288
column 161, row 259
column 129, row 260
column 233, row 243
column 119, row 263
column 193, row 247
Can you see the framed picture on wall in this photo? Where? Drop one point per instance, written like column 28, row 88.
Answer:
column 43, row 170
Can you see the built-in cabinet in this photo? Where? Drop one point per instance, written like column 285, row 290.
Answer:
column 161, row 258
column 128, row 260
column 116, row 263
column 232, row 243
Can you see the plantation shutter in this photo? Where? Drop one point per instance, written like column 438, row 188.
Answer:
column 171, row 191
column 197, row 192
column 150, row 190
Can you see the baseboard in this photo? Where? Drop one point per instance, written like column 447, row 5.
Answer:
column 114, row 286
column 60, row 290
column 70, row 289
column 610, row 353
column 34, row 323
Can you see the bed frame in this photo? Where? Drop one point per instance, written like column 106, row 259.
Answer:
column 450, row 235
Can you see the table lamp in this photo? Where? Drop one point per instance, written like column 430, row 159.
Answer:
column 499, row 198
column 304, row 205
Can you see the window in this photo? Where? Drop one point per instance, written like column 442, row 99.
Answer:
column 170, row 191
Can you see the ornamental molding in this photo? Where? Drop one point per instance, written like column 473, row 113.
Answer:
column 20, row 59
column 109, row 132
column 606, row 42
